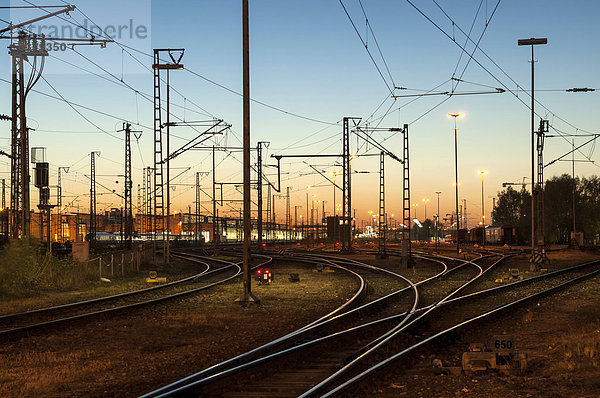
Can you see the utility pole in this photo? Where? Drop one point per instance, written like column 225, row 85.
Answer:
column 26, row 47
column 532, row 42
column 198, row 207
column 269, row 197
column 139, row 205
column 541, row 135
column 287, row 212
column 175, row 55
column 382, row 227
column 59, row 200
column 93, row 197
column 149, row 197
column 128, row 213
column 259, row 200
column 247, row 296
column 214, row 200
column 406, row 244
column 4, row 195
column 274, row 220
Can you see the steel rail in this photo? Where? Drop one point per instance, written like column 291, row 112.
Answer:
column 377, row 343
column 344, row 386
column 210, row 371
column 123, row 307
column 101, row 299
column 179, row 386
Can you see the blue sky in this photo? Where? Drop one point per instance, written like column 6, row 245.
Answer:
column 307, row 59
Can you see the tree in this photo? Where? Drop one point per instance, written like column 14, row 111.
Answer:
column 513, row 208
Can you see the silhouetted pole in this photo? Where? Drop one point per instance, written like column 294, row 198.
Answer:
column 455, row 115
column 247, row 296
column 532, row 42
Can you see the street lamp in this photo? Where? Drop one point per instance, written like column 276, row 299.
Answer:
column 482, row 173
column 532, row 42
column 455, row 116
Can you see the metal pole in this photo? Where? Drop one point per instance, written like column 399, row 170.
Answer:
column 532, row 157
column 574, row 185
column 247, row 296
column 168, row 229
column 482, row 213
column 214, row 198
column 456, row 187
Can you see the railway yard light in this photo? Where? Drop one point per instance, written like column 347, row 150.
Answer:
column 456, row 116
column 532, row 42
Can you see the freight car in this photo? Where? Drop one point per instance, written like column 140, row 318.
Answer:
column 500, row 235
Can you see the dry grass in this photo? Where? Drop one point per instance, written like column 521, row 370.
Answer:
column 25, row 270
column 579, row 351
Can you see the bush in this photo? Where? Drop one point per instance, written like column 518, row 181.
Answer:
column 25, row 270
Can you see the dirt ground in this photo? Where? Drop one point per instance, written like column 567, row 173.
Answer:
column 127, row 355
column 560, row 333
column 134, row 353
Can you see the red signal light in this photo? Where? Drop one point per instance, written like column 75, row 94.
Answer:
column 264, row 245
column 298, row 244
column 267, row 271
column 356, row 243
column 321, row 243
column 258, row 272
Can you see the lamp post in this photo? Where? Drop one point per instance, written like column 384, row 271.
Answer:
column 482, row 173
column 455, row 116
column 532, row 42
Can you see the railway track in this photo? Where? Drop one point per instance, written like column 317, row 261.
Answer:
column 219, row 272
column 347, row 364
column 309, row 334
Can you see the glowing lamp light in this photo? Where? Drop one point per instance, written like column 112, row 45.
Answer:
column 298, row 244
column 258, row 272
column 264, row 245
column 321, row 243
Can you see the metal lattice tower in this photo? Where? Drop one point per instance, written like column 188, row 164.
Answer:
column 93, row 226
column 139, row 199
column 159, row 202
column 149, row 218
column 142, row 207
column 128, row 213
column 541, row 134
column 26, row 46
column 198, row 208
column 382, row 230
column 259, row 200
column 406, row 245
column 346, row 196
column 59, row 202
column 269, row 198
column 287, row 212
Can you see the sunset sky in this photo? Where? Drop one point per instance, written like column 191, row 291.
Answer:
column 308, row 60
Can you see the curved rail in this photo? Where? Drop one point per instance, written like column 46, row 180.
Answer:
column 103, row 299
column 344, row 386
column 129, row 306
